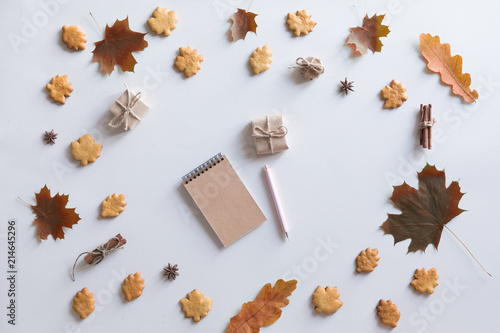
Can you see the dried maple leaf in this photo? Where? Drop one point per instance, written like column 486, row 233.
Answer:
column 241, row 23
column 367, row 37
column 439, row 60
column 117, row 46
column 264, row 310
column 424, row 211
column 52, row 214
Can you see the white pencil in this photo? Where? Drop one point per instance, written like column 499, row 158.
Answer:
column 277, row 203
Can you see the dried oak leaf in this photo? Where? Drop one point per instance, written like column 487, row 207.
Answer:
column 439, row 60
column 117, row 46
column 241, row 23
column 52, row 214
column 264, row 310
column 367, row 37
column 424, row 211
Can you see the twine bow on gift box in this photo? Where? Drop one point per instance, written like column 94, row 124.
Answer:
column 310, row 67
column 259, row 132
column 123, row 117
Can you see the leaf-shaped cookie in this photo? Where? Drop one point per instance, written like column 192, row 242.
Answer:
column 74, row 37
column 261, row 59
column 188, row 61
column 85, row 150
column 83, row 303
column 132, row 286
column 241, row 23
column 367, row 37
column 300, row 23
column 162, row 21
column 326, row 300
column 439, row 60
column 425, row 280
column 196, row 305
column 113, row 205
column 59, row 88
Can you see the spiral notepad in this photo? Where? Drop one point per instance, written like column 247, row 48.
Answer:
column 223, row 199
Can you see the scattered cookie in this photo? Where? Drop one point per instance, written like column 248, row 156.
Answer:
column 261, row 59
column 113, row 205
column 74, row 37
column 367, row 260
column 162, row 21
column 394, row 95
column 425, row 281
column 196, row 305
column 188, row 61
column 83, row 303
column 59, row 88
column 85, row 150
column 300, row 23
column 388, row 313
column 326, row 300
column 132, row 286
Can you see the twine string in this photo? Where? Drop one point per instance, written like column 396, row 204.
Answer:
column 312, row 63
column 280, row 132
column 123, row 117
column 427, row 124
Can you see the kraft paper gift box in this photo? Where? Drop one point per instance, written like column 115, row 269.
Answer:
column 269, row 134
column 128, row 110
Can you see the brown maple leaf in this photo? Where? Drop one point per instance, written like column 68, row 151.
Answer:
column 52, row 214
column 439, row 60
column 241, row 23
column 117, row 46
column 424, row 211
column 367, row 37
column 264, row 310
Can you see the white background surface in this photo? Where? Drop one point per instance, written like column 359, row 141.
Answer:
column 346, row 154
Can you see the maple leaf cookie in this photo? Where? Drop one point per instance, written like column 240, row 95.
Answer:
column 388, row 313
column 74, row 37
column 59, row 88
column 132, row 286
column 301, row 23
column 162, row 21
column 188, row 61
column 367, row 260
column 261, row 59
column 425, row 281
column 83, row 303
column 394, row 95
column 196, row 305
column 326, row 300
column 113, row 205
column 85, row 150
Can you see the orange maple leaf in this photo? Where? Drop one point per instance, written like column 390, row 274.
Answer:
column 117, row 46
column 241, row 23
column 439, row 60
column 264, row 310
column 367, row 37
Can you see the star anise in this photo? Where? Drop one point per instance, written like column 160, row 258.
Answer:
column 171, row 271
column 50, row 137
column 346, row 86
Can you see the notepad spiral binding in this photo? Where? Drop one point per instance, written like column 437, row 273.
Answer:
column 196, row 172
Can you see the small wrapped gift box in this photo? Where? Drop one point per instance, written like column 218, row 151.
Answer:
column 128, row 110
column 269, row 134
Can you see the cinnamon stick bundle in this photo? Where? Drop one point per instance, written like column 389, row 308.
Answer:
column 425, row 126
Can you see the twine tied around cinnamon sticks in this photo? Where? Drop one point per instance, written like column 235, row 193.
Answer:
column 425, row 126
column 121, row 118
column 98, row 254
column 310, row 67
column 259, row 132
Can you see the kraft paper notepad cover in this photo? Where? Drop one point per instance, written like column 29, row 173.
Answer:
column 223, row 199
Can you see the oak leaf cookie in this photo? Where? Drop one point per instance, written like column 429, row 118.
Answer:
column 367, row 260
column 388, row 313
column 196, row 305
column 425, row 281
column 74, row 37
column 59, row 88
column 83, row 303
column 188, row 61
column 113, row 205
column 132, row 286
column 301, row 23
column 85, row 150
column 261, row 59
column 394, row 95
column 326, row 300
column 162, row 21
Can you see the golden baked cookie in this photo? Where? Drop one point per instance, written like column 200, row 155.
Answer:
column 326, row 300
column 132, row 286
column 261, row 59
column 188, row 61
column 83, row 303
column 85, row 150
column 74, row 37
column 300, row 23
column 425, row 281
column 394, row 95
column 59, row 88
column 196, row 305
column 388, row 313
column 113, row 205
column 367, row 260
column 162, row 21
